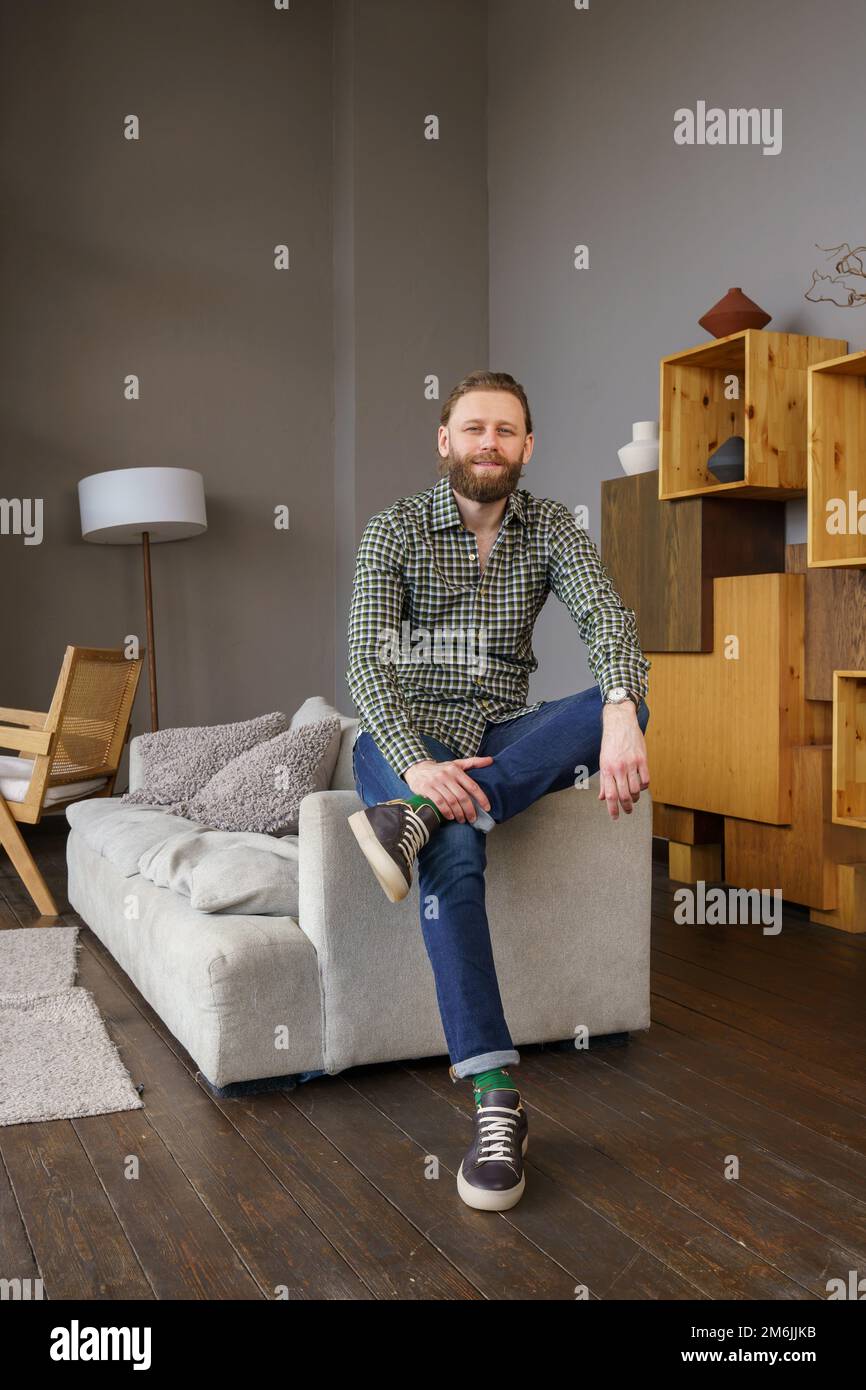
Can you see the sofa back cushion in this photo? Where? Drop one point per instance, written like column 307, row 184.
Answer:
column 316, row 708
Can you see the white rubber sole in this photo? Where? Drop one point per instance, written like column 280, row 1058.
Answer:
column 491, row 1201
column 390, row 878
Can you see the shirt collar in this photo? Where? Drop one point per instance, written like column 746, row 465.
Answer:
column 444, row 511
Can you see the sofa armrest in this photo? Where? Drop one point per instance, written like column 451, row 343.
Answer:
column 569, row 901
column 332, row 872
column 134, row 763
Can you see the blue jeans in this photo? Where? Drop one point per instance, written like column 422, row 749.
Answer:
column 532, row 754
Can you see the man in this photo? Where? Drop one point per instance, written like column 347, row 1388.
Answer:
column 448, row 747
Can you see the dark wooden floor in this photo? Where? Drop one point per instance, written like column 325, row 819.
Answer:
column 757, row 1050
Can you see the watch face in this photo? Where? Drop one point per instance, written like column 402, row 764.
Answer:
column 617, row 694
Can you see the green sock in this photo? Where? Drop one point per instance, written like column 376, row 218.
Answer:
column 417, row 801
column 495, row 1080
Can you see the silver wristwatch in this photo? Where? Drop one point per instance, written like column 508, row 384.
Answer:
column 618, row 696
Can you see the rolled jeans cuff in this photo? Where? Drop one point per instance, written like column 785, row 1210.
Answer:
column 485, row 1061
column 483, row 820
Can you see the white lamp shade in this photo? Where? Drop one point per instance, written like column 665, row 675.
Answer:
column 118, row 505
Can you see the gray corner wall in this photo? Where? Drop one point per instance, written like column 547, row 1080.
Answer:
column 581, row 151
column 156, row 257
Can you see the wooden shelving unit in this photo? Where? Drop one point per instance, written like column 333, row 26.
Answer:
column 849, row 748
column 836, row 396
column 663, row 559
column 770, row 412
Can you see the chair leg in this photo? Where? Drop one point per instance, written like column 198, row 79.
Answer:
column 16, row 847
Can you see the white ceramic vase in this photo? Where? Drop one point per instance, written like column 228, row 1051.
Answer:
column 641, row 454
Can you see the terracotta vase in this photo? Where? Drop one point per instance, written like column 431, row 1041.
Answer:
column 733, row 313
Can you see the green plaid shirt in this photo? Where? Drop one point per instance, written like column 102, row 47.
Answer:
column 437, row 647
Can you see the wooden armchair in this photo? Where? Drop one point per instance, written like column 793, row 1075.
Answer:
column 69, row 754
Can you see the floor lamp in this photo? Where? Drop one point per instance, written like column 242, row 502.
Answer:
column 128, row 505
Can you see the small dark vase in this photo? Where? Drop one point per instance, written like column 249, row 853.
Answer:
column 733, row 313
column 728, row 462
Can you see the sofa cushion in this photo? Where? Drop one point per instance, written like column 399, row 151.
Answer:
column 342, row 777
column 225, row 871
column 173, row 764
column 15, row 775
column 314, row 710
column 262, row 789
column 122, row 833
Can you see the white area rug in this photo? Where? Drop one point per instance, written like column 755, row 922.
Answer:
column 57, row 1061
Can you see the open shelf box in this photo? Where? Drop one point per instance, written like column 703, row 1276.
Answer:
column 849, row 748
column 697, row 412
column 836, row 532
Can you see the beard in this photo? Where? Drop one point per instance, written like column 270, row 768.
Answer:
column 481, row 486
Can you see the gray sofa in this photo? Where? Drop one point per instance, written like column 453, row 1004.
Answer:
column 273, row 1000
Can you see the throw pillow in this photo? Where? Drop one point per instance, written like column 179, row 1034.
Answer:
column 262, row 789
column 176, row 763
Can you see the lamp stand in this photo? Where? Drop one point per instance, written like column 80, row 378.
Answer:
column 151, row 650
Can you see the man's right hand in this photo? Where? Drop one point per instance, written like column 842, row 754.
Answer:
column 448, row 786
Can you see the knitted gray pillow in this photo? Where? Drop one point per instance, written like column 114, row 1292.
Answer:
column 262, row 789
column 176, row 763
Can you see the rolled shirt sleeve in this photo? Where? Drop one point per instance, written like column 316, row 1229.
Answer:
column 376, row 609
column 579, row 579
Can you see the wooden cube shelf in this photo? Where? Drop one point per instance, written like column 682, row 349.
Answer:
column 722, row 725
column 835, row 621
column 770, row 413
column 849, row 748
column 663, row 558
column 801, row 859
column 837, row 461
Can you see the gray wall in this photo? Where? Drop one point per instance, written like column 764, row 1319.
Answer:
column 581, row 150
column 412, row 273
column 156, row 257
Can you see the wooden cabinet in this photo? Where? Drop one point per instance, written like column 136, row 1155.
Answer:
column 723, row 723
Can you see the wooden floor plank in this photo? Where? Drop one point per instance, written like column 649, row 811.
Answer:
column 596, row 1254
column 396, row 1164
column 799, row 982
column 17, row 1261
column 77, row 1239
column 693, row 1247
column 761, row 1014
column 752, row 1067
column 790, row 1208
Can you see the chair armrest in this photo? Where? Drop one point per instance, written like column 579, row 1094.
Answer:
column 25, row 740
column 32, row 718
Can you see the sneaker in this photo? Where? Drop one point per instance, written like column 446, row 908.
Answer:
column 392, row 834
column 491, row 1175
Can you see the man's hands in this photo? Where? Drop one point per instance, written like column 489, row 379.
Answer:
column 623, row 763
column 448, row 785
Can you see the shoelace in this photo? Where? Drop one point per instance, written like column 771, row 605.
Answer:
column 496, row 1134
column 413, row 837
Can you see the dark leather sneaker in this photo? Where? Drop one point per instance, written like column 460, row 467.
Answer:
column 491, row 1175
column 392, row 834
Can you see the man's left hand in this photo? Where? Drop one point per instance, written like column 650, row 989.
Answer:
column 623, row 762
